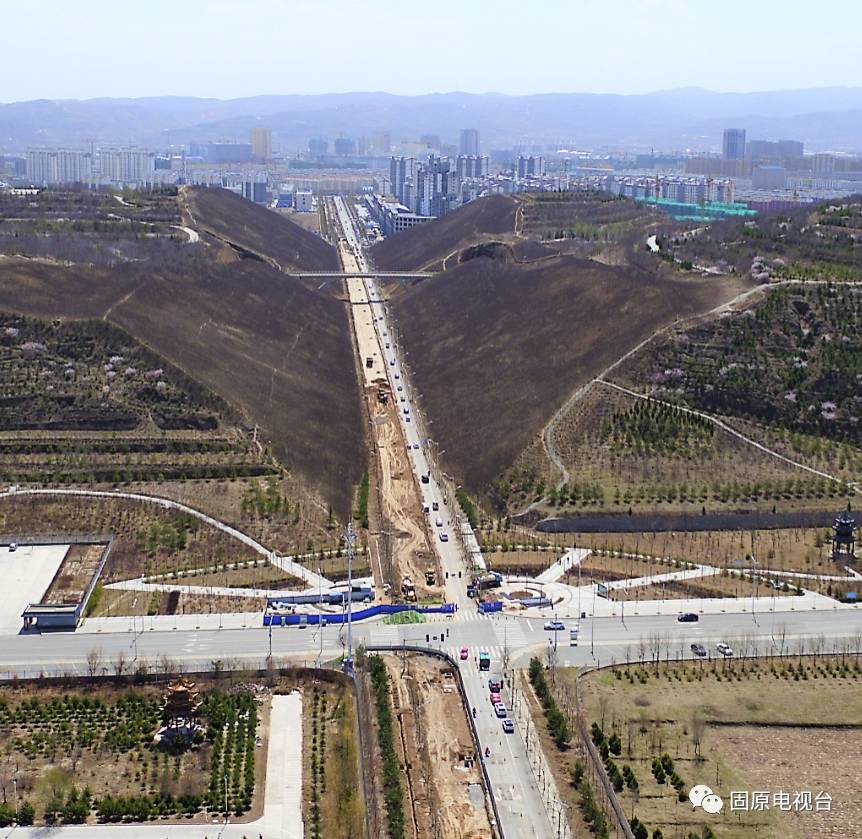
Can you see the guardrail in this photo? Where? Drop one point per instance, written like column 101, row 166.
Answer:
column 446, row 657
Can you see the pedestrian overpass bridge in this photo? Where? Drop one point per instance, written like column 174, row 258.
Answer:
column 378, row 275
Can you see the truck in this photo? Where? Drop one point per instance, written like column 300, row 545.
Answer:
column 430, row 576
column 484, row 661
column 408, row 590
column 488, row 579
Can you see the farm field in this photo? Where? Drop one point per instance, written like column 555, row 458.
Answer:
column 713, row 723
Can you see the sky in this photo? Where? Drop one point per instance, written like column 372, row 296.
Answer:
column 56, row 49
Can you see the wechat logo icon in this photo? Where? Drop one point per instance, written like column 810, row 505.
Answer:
column 702, row 796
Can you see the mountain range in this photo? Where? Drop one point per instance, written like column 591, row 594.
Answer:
column 685, row 118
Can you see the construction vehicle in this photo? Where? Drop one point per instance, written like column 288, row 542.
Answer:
column 408, row 590
column 430, row 576
column 488, row 579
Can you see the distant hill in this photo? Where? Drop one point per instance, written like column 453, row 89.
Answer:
column 426, row 247
column 496, row 347
column 259, row 230
column 824, row 118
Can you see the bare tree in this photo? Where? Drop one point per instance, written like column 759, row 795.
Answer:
column 698, row 727
column 95, row 663
column 120, row 664
column 604, row 702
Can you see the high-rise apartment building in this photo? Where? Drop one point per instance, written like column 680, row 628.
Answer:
column 261, row 143
column 733, row 144
column 401, row 171
column 127, row 166
column 59, row 166
column 531, row 167
column 469, row 143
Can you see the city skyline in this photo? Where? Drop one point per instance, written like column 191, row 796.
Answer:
column 194, row 55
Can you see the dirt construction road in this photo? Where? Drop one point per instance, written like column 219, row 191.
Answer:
column 443, row 797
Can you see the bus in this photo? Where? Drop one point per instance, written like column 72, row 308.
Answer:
column 484, row 661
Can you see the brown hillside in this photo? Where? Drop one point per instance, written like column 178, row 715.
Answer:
column 425, row 247
column 497, row 347
column 259, row 230
column 279, row 353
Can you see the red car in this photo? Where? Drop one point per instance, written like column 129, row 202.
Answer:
column 495, row 698
column 464, row 654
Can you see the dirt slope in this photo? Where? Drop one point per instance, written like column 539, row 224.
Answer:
column 496, row 347
column 279, row 353
column 424, row 247
column 259, row 230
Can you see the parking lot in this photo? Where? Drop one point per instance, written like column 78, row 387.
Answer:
column 26, row 573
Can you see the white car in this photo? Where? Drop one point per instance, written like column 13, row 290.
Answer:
column 415, row 446
column 725, row 649
column 444, row 536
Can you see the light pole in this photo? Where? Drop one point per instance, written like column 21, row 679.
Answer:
column 351, row 543
column 593, row 623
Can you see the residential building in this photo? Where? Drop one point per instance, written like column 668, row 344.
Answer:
column 733, row 144
column 318, row 146
column 127, row 166
column 261, row 143
column 344, row 146
column 469, row 142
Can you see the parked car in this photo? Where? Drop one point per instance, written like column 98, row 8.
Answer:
column 495, row 685
column 464, row 654
column 699, row 650
column 725, row 649
column 500, row 710
column 13, row 546
column 688, row 617
column 508, row 726
column 554, row 625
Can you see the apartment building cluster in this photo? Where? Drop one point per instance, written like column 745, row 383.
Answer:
column 120, row 166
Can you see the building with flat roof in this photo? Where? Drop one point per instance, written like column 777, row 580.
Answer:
column 733, row 144
column 469, row 142
column 261, row 143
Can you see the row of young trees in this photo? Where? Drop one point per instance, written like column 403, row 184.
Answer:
column 558, row 724
column 393, row 796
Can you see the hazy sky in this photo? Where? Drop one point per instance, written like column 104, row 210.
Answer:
column 227, row 48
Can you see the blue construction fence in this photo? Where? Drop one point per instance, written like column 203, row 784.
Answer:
column 358, row 615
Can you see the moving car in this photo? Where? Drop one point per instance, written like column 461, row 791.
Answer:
column 500, row 710
column 725, row 649
column 415, row 446
column 435, row 505
column 495, row 685
column 444, row 536
column 464, row 654
column 438, row 522
column 495, row 698
column 554, row 625
column 508, row 726
column 699, row 650
column 687, row 617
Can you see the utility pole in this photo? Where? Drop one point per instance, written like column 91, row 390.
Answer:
column 350, row 538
